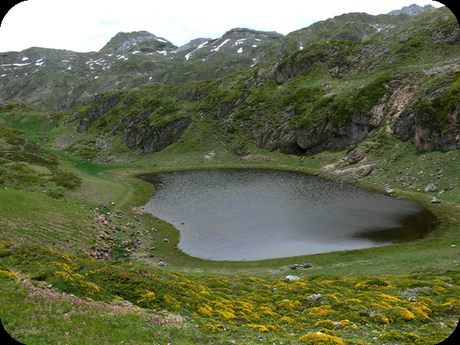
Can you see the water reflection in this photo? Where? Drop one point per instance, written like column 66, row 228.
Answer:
column 251, row 214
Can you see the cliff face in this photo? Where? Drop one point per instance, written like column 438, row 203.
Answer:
column 433, row 117
column 153, row 138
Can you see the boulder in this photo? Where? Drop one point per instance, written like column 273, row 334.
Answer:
column 355, row 156
column 314, row 297
column 431, row 188
column 435, row 200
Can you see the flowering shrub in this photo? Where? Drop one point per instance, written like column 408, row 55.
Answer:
column 324, row 310
column 328, row 324
column 372, row 284
column 90, row 288
column 64, row 275
column 391, row 307
column 400, row 314
column 147, row 299
column 8, row 275
column 404, row 337
column 380, row 319
column 205, row 310
column 320, row 339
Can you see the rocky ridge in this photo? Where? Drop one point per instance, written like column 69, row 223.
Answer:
column 411, row 10
column 62, row 79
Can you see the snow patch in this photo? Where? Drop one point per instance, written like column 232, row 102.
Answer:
column 240, row 50
column 382, row 27
column 199, row 47
column 240, row 41
column 21, row 64
column 25, row 58
column 163, row 52
column 220, row 46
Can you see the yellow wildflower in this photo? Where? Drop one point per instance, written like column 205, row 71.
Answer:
column 8, row 275
column 61, row 274
column 321, row 339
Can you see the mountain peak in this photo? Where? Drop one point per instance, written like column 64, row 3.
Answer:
column 238, row 33
column 136, row 40
column 411, row 10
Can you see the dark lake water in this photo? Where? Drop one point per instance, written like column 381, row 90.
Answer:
column 251, row 214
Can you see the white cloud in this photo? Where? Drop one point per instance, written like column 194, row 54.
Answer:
column 86, row 25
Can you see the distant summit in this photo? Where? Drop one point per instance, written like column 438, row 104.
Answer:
column 411, row 10
column 137, row 40
column 239, row 33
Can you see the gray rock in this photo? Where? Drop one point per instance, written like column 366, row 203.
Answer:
column 431, row 188
column 436, row 200
column 355, row 156
column 314, row 297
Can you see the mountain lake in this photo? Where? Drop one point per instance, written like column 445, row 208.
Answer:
column 256, row 214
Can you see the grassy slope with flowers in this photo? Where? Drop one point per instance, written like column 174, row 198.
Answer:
column 54, row 292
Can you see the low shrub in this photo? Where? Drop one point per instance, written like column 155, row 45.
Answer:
column 321, row 339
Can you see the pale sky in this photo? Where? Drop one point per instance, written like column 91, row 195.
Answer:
column 87, row 25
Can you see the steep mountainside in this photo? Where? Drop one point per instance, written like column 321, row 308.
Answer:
column 61, row 79
column 330, row 95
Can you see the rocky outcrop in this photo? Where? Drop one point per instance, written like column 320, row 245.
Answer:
column 100, row 106
column 150, row 139
column 411, row 125
column 432, row 119
column 225, row 108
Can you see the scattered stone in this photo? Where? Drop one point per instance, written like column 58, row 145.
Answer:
column 289, row 277
column 337, row 324
column 314, row 297
column 355, row 156
column 161, row 264
column 307, row 265
column 431, row 188
column 166, row 240
column 390, row 191
column 436, row 200
column 453, row 246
